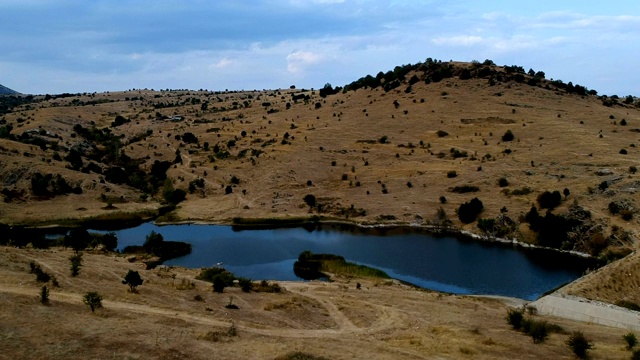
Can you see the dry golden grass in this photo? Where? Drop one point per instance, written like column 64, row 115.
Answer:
column 561, row 141
column 332, row 320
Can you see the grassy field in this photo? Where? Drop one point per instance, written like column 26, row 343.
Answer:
column 174, row 315
column 410, row 155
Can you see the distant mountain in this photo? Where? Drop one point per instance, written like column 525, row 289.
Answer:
column 6, row 91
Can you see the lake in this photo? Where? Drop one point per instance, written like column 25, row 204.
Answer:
column 445, row 264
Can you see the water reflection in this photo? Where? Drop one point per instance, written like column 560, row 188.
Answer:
column 439, row 263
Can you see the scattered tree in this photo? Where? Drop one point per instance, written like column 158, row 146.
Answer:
column 44, row 295
column 93, row 300
column 76, row 262
column 310, row 200
column 549, row 200
column 468, row 211
column 133, row 279
column 508, row 136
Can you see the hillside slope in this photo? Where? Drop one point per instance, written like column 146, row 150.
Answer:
column 175, row 316
column 6, row 91
column 390, row 148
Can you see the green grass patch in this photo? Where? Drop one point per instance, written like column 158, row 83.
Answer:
column 315, row 266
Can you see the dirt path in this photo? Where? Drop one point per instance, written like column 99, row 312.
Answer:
column 344, row 325
column 581, row 309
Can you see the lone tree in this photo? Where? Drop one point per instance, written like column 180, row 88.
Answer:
column 77, row 239
column 76, row 262
column 508, row 136
column 468, row 211
column 132, row 279
column 93, row 300
column 310, row 200
column 44, row 295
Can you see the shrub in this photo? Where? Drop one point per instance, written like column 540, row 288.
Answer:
column 383, row 139
column 635, row 355
column 508, row 136
column 514, row 318
column 538, row 331
column 579, row 344
column 549, row 200
column 441, row 133
column 452, row 174
column 631, row 340
column 219, row 283
column 468, row 211
column 502, row 182
column 245, row 284
column 93, row 300
column 633, row 169
column 443, row 200
column 465, row 189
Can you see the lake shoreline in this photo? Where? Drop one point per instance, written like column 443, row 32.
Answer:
column 136, row 219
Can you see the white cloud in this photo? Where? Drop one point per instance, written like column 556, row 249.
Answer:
column 223, row 63
column 458, row 40
column 297, row 61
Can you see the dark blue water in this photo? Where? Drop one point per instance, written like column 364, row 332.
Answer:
column 438, row 263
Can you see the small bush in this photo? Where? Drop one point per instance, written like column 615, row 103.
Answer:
column 245, row 284
column 508, row 136
column 502, row 182
column 452, row 174
column 631, row 340
column 514, row 318
column 549, row 200
column 579, row 344
column 441, row 133
column 538, row 331
column 635, row 355
column 465, row 189
column 93, row 300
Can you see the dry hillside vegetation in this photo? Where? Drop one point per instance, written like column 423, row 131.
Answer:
column 173, row 315
column 472, row 145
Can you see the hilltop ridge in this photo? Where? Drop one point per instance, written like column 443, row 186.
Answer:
column 6, row 91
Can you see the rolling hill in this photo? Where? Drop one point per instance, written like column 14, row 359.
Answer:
column 492, row 150
column 501, row 151
column 6, row 91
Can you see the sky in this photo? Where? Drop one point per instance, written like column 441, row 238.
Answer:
column 56, row 46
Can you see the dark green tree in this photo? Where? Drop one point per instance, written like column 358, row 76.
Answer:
column 76, row 262
column 468, row 211
column 44, row 295
column 93, row 300
column 77, row 239
column 310, row 200
column 109, row 241
column 508, row 136
column 133, row 279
